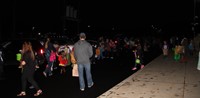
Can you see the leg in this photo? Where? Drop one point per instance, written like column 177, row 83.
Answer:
column 81, row 76
column 89, row 75
column 24, row 82
column 33, row 82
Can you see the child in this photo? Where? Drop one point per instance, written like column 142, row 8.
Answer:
column 97, row 52
column 138, row 59
column 165, row 49
column 177, row 52
column 62, row 61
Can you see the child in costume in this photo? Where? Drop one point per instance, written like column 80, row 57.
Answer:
column 177, row 52
column 165, row 49
column 62, row 61
column 138, row 58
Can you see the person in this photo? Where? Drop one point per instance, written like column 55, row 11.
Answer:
column 62, row 61
column 28, row 63
column 165, row 49
column 1, row 67
column 82, row 53
column 49, row 52
column 184, row 44
column 138, row 57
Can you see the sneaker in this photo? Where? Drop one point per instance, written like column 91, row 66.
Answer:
column 37, row 67
column 20, row 66
column 91, row 85
column 55, row 68
column 134, row 68
column 82, row 89
column 44, row 74
column 50, row 74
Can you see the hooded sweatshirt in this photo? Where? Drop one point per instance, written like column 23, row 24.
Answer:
column 83, row 52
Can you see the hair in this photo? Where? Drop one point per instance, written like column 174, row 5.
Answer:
column 27, row 46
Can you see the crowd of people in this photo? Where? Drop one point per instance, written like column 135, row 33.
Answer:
column 83, row 54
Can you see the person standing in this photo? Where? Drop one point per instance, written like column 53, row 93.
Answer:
column 82, row 53
column 165, row 49
column 28, row 63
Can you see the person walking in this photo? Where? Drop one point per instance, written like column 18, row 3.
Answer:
column 49, row 52
column 138, row 56
column 82, row 53
column 28, row 63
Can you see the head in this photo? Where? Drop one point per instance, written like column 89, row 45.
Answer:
column 82, row 36
column 27, row 46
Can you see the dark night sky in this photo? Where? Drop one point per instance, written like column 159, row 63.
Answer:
column 138, row 12
column 126, row 14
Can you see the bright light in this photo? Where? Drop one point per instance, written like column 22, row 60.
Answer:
column 41, row 51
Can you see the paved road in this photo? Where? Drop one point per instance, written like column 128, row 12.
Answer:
column 106, row 74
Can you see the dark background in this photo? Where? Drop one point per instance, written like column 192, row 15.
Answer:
column 101, row 15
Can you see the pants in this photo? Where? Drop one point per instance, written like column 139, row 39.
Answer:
column 87, row 68
column 28, row 76
column 48, row 68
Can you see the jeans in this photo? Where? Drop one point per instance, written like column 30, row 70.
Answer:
column 87, row 68
column 48, row 68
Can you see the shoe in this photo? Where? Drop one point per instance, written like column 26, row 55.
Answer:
column 20, row 66
column 55, row 68
column 50, row 74
column 31, row 87
column 82, row 89
column 142, row 66
column 44, row 74
column 21, row 94
column 37, row 66
column 134, row 68
column 91, row 85
column 39, row 92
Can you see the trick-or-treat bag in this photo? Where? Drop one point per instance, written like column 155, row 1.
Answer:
column 75, row 70
column 18, row 56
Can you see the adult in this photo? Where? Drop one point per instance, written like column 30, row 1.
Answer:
column 82, row 53
column 28, row 63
